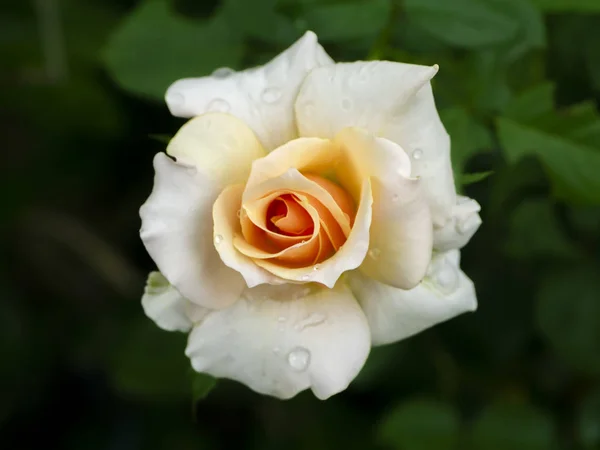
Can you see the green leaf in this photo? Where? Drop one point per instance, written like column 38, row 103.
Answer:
column 468, row 136
column 259, row 19
column 588, row 425
column 347, row 21
column 535, row 232
column 202, row 385
column 572, row 167
column 162, row 138
column 567, row 5
column 471, row 178
column 531, row 33
column 421, row 425
column 568, row 315
column 154, row 47
column 463, row 23
column 150, row 363
column 508, row 426
column 531, row 104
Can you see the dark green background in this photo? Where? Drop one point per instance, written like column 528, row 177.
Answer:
column 81, row 116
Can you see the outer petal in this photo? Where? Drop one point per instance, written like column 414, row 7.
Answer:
column 391, row 100
column 221, row 146
column 280, row 340
column 401, row 232
column 166, row 307
column 460, row 228
column 177, row 230
column 262, row 97
column 395, row 314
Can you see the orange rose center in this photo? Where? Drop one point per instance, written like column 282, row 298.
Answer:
column 291, row 220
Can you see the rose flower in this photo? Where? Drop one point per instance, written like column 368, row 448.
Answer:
column 305, row 212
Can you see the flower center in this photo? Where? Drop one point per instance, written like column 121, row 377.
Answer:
column 288, row 217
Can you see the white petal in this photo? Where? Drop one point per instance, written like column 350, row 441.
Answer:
column 460, row 228
column 401, row 231
column 396, row 314
column 391, row 100
column 177, row 230
column 262, row 97
column 166, row 307
column 280, row 340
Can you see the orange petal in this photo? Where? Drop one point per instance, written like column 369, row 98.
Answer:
column 339, row 194
column 289, row 217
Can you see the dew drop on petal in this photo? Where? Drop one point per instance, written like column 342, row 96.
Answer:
column 316, row 267
column 218, row 105
column 218, row 239
column 444, row 275
column 309, row 109
column 223, row 72
column 271, row 95
column 276, row 350
column 305, row 277
column 299, row 359
column 417, row 154
column 374, row 253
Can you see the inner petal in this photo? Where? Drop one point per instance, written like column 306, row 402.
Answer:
column 286, row 216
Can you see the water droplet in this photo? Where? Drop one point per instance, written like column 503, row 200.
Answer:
column 303, row 241
column 346, row 104
column 223, row 72
column 374, row 253
column 239, row 213
column 309, row 109
column 281, row 319
column 444, row 275
column 299, row 359
column 176, row 99
column 417, row 153
column 218, row 239
column 271, row 95
column 311, row 320
column 276, row 350
column 219, row 105
column 305, row 277
column 316, row 267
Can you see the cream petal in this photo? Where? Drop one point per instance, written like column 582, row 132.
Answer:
column 396, row 314
column 280, row 340
column 221, row 146
column 401, row 233
column 263, row 97
column 177, row 230
column 460, row 228
column 226, row 227
column 391, row 100
column 167, row 308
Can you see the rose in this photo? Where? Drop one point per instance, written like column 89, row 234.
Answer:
column 310, row 213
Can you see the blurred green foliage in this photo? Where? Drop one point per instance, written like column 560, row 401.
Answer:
column 82, row 116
